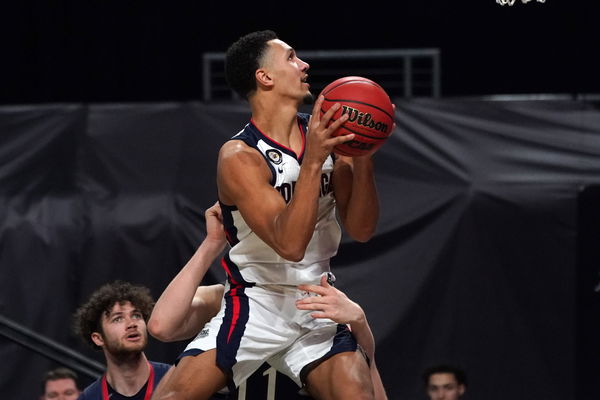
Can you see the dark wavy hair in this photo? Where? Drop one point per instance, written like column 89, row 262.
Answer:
column 242, row 60
column 88, row 317
column 459, row 374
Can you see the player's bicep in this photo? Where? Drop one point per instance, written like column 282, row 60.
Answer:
column 243, row 179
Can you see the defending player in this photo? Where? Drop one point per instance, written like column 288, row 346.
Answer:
column 279, row 187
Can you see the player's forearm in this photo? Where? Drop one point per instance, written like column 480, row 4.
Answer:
column 378, row 388
column 174, row 304
column 362, row 212
column 363, row 335
column 295, row 225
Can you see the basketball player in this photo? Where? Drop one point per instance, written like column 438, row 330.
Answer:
column 279, row 187
column 114, row 320
column 185, row 307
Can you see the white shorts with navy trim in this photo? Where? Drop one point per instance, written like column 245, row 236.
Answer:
column 258, row 324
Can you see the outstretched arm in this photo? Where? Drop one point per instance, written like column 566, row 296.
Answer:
column 334, row 304
column 184, row 307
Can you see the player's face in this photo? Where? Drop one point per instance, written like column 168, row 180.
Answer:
column 124, row 330
column 61, row 389
column 289, row 73
column 443, row 386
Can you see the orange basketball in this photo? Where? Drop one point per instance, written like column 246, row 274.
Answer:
column 370, row 114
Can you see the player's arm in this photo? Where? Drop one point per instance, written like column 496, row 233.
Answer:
column 184, row 307
column 334, row 304
column 243, row 179
column 356, row 196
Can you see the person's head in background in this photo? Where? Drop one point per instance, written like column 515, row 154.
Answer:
column 444, row 382
column 60, row 384
column 114, row 320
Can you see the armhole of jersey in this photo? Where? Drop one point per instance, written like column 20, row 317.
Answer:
column 272, row 181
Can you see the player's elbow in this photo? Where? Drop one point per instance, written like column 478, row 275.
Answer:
column 158, row 330
column 362, row 234
column 292, row 253
column 293, row 256
column 363, row 238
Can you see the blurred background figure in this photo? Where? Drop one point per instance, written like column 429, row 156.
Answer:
column 445, row 382
column 60, row 384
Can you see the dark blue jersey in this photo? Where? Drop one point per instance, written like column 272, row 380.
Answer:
column 94, row 391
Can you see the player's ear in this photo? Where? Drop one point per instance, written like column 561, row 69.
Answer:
column 263, row 78
column 97, row 339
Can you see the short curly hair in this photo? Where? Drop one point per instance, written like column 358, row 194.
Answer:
column 242, row 60
column 88, row 317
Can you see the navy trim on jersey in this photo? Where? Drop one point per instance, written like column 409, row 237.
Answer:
column 234, row 276
column 94, row 391
column 228, row 225
column 251, row 134
column 301, row 120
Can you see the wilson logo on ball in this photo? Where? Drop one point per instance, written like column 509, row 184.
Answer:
column 369, row 110
column 364, row 119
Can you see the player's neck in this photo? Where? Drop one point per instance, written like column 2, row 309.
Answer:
column 275, row 118
column 127, row 375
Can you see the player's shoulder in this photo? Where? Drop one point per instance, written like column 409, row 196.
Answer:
column 160, row 369
column 93, row 391
column 236, row 149
column 242, row 146
column 241, row 141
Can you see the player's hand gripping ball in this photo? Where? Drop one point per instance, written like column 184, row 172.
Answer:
column 370, row 114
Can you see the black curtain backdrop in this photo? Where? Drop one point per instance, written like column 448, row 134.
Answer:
column 474, row 262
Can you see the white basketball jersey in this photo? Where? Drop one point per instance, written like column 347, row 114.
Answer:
column 250, row 260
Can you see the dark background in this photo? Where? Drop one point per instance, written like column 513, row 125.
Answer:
column 144, row 50
column 485, row 255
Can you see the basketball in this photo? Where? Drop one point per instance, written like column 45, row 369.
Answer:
column 370, row 114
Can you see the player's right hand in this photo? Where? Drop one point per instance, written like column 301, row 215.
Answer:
column 320, row 139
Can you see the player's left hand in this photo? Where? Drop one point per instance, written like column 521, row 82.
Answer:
column 214, row 225
column 330, row 303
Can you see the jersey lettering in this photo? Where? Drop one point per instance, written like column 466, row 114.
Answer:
column 287, row 189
